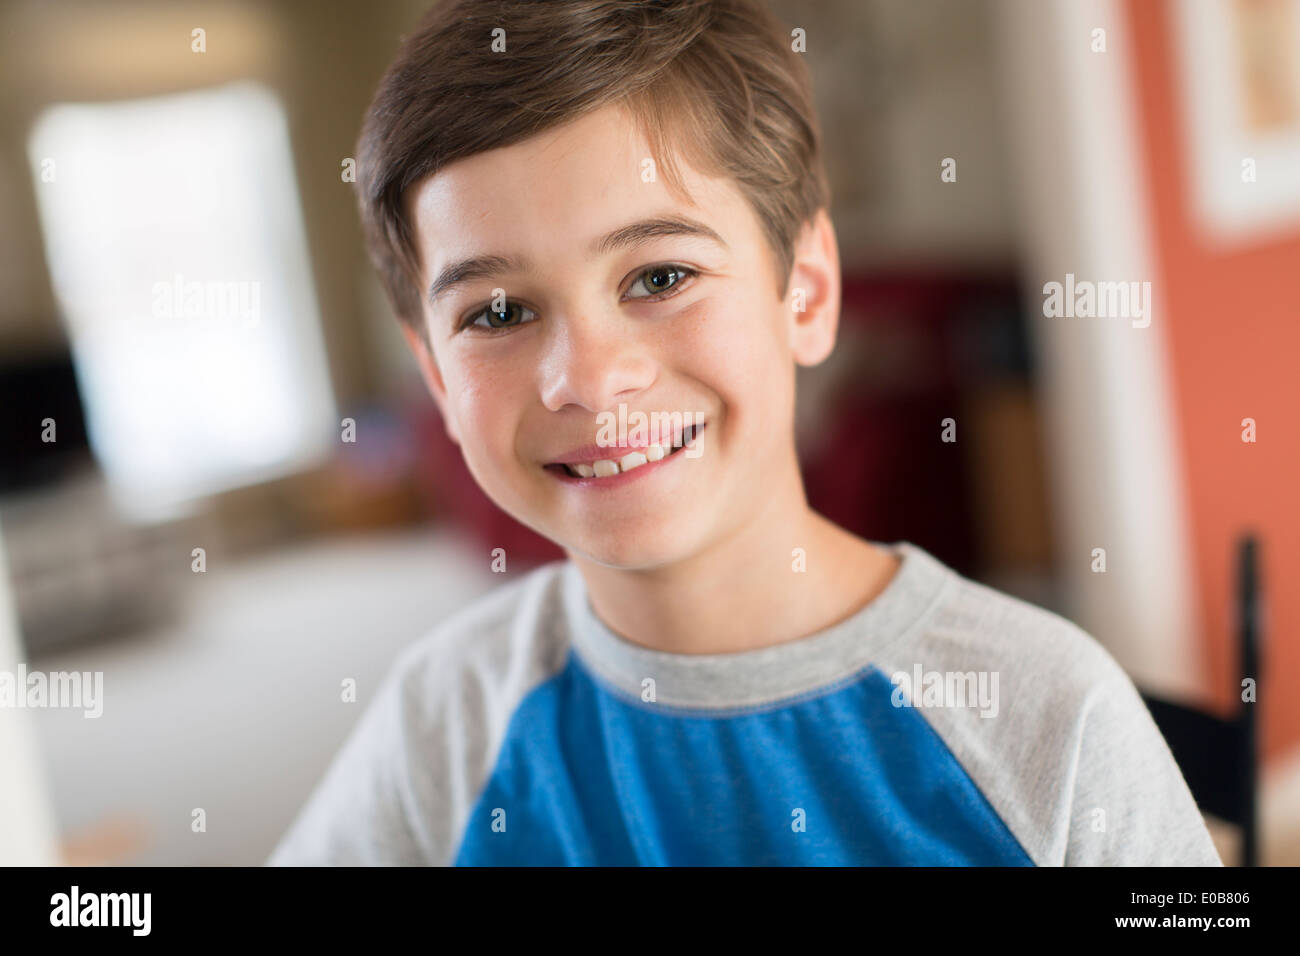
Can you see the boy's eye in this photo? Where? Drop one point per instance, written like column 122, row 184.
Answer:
column 655, row 280
column 658, row 279
column 499, row 320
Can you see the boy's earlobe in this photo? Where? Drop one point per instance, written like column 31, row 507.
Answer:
column 432, row 377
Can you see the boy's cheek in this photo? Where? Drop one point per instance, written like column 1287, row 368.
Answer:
column 489, row 443
column 502, row 482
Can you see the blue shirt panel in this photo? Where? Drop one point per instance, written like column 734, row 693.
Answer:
column 587, row 775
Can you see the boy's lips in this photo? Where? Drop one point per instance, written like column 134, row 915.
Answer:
column 586, row 454
column 614, row 472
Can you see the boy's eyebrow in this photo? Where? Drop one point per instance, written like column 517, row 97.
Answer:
column 483, row 267
column 647, row 229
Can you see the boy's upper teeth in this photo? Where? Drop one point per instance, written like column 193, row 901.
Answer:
column 606, row 467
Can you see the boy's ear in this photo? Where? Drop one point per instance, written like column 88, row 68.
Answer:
column 814, row 294
column 432, row 377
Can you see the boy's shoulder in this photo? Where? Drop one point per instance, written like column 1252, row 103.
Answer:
column 516, row 628
column 1049, row 727
column 972, row 626
column 402, row 785
column 468, row 674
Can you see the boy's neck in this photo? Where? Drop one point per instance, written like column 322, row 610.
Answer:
column 744, row 592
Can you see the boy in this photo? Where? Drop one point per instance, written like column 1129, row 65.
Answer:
column 589, row 211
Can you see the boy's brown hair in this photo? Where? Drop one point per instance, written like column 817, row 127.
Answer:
column 718, row 79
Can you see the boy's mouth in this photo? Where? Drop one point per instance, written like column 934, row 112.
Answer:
column 600, row 469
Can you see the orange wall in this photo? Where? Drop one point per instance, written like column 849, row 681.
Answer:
column 1233, row 331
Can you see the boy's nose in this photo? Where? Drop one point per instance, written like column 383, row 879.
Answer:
column 594, row 363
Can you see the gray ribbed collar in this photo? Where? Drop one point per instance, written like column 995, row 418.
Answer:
column 758, row 677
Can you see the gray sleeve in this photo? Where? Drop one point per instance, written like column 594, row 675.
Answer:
column 401, row 789
column 1130, row 805
column 361, row 811
column 1072, row 761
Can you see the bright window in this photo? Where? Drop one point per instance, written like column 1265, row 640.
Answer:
column 176, row 245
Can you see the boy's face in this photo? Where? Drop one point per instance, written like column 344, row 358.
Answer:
column 685, row 324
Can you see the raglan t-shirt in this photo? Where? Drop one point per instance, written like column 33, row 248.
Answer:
column 944, row 723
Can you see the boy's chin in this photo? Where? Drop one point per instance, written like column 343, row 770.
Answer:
column 633, row 553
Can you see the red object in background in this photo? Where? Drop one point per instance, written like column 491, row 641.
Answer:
column 884, row 473
column 890, row 478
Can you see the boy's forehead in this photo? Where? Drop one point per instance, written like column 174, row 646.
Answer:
column 568, row 185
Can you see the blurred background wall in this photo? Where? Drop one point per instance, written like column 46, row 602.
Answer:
column 222, row 670
column 1232, row 337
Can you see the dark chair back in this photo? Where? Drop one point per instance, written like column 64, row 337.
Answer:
column 1218, row 756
